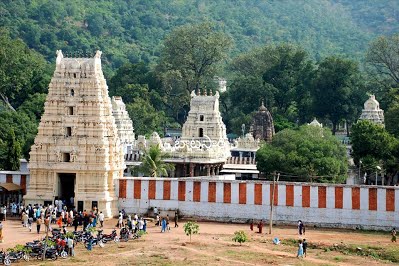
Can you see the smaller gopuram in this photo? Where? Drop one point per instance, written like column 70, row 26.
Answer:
column 315, row 123
column 76, row 155
column 262, row 126
column 123, row 123
column 203, row 147
column 372, row 111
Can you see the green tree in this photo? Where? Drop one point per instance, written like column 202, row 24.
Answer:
column 191, row 228
column 240, row 237
column 383, row 58
column 289, row 75
column 10, row 152
column 21, row 71
column 146, row 118
column 309, row 152
column 337, row 90
column 129, row 74
column 23, row 126
column 373, row 145
column 392, row 120
column 194, row 51
column 153, row 164
column 33, row 106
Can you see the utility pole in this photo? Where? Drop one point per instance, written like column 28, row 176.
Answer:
column 272, row 202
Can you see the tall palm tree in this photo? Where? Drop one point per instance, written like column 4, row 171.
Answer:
column 153, row 164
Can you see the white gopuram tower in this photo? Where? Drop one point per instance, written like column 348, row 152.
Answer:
column 76, row 155
column 372, row 111
column 123, row 123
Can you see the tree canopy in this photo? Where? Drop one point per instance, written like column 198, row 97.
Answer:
column 373, row 145
column 309, row 153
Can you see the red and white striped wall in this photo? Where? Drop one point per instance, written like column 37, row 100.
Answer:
column 330, row 205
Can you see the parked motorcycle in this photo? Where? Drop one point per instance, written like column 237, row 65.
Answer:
column 16, row 256
column 108, row 237
column 4, row 258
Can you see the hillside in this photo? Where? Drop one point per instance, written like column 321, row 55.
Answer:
column 133, row 30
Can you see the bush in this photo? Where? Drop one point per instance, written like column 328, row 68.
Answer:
column 240, row 237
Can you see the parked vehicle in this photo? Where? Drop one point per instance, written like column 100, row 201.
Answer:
column 4, row 258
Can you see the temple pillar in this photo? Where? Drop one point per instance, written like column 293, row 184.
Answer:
column 217, row 169
column 184, row 170
column 212, row 170
column 208, row 170
column 191, row 171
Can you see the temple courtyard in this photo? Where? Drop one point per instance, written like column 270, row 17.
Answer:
column 214, row 246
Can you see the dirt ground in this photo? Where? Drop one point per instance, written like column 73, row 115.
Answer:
column 214, row 246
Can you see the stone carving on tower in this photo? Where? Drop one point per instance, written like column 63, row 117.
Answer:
column 123, row 123
column 372, row 111
column 262, row 126
column 77, row 154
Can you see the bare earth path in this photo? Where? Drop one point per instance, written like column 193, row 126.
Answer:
column 213, row 246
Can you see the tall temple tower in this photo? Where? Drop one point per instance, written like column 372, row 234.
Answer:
column 77, row 153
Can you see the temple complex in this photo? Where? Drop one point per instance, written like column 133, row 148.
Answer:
column 262, row 126
column 203, row 147
column 372, row 111
column 123, row 123
column 77, row 154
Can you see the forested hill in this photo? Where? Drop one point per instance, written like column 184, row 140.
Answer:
column 133, row 30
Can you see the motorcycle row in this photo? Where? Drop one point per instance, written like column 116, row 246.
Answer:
column 57, row 244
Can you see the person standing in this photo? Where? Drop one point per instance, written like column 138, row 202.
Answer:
column 301, row 227
column 47, row 224
column 101, row 219
column 120, row 221
column 25, row 218
column 167, row 222
column 300, row 250
column 260, row 226
column 38, row 224
column 71, row 247
column 158, row 223
column 1, row 232
column 4, row 212
column 163, row 228
column 75, row 223
column 176, row 219
column 305, row 246
column 393, row 233
column 251, row 225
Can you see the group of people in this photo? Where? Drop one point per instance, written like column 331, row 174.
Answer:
column 134, row 224
column 59, row 215
column 163, row 222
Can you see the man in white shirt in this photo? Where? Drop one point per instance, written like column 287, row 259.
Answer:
column 101, row 218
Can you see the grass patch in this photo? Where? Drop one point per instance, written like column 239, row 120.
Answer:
column 244, row 255
column 389, row 254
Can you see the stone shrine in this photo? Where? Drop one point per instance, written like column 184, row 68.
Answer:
column 262, row 126
column 315, row 123
column 123, row 123
column 372, row 111
column 77, row 154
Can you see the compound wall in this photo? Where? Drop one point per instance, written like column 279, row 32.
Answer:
column 368, row 207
